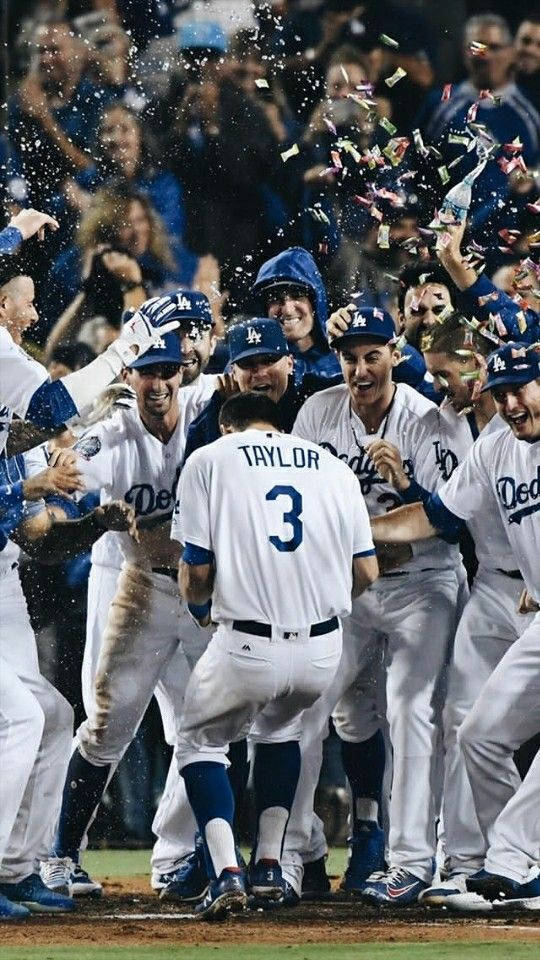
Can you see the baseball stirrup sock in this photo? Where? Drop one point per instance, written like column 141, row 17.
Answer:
column 211, row 798
column 238, row 772
column 83, row 791
column 364, row 766
column 276, row 769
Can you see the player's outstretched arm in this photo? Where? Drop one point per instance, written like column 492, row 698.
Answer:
column 404, row 525
column 50, row 537
column 365, row 572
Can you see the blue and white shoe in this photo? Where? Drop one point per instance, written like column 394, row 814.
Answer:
column 397, row 887
column 12, row 911
column 33, row 894
column 442, row 894
column 224, row 896
column 366, row 855
column 188, row 883
column 265, row 880
column 65, row 876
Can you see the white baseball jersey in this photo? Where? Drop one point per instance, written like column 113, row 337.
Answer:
column 20, row 377
column 414, row 426
column 491, row 542
column 124, row 461
column 283, row 520
column 500, row 466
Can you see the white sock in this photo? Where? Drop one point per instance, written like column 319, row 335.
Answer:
column 272, row 823
column 366, row 809
column 220, row 841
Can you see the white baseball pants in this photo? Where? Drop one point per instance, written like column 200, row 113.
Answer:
column 489, row 625
column 415, row 617
column 143, row 654
column 249, row 684
column 505, row 715
column 35, row 739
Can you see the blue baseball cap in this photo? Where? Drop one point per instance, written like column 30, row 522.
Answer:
column 370, row 323
column 514, row 363
column 203, row 34
column 251, row 338
column 168, row 350
column 189, row 307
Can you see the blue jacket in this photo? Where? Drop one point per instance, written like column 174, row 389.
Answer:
column 504, row 306
column 298, row 266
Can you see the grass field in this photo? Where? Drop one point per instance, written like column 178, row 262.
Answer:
column 308, row 951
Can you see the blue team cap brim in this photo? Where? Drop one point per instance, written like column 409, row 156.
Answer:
column 148, row 360
column 364, row 335
column 259, row 352
column 518, row 379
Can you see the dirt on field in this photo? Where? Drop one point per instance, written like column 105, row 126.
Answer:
column 130, row 914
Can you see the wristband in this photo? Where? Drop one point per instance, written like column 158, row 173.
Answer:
column 200, row 611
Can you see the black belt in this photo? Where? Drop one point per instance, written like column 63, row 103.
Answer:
column 265, row 630
column 406, row 573
column 166, row 572
column 513, row 574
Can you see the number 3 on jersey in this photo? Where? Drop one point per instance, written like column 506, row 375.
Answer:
column 291, row 516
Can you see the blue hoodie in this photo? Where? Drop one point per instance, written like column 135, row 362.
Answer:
column 298, row 266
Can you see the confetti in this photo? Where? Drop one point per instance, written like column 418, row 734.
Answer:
column 396, row 77
column 336, row 159
column 292, row 152
column 522, row 322
column 419, row 143
column 477, row 49
column 534, row 207
column 472, row 375
column 499, row 325
column 262, row 84
column 388, row 41
column 383, row 236
column 387, row 125
column 516, row 163
column 330, row 125
column 454, row 163
column 447, row 92
column 471, row 112
column 444, row 175
column 515, row 147
column 344, row 73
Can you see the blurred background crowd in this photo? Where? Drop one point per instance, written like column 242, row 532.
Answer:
column 184, row 142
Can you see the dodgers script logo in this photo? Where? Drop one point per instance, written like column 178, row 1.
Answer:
column 525, row 495
column 364, row 468
column 145, row 499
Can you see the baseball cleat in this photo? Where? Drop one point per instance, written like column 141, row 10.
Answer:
column 82, row 884
column 265, row 880
column 12, row 911
column 496, row 887
column 441, row 894
column 366, row 855
column 397, row 887
column 188, row 883
column 33, row 894
column 315, row 882
column 225, row 895
column 56, row 874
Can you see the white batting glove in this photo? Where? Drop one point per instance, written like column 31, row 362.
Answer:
column 137, row 336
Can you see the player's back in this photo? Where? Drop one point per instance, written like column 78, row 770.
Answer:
column 281, row 526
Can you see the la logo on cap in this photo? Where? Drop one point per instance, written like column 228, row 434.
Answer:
column 358, row 320
column 253, row 336
column 184, row 302
column 498, row 364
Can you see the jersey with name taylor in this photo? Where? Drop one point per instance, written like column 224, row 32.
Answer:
column 414, row 426
column 284, row 520
column 123, row 460
column 501, row 467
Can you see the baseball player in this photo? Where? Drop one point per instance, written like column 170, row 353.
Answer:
column 502, row 467
column 393, row 440
column 136, row 456
column 454, row 353
column 278, row 640
column 35, row 742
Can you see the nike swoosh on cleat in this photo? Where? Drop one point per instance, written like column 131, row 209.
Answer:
column 399, row 891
